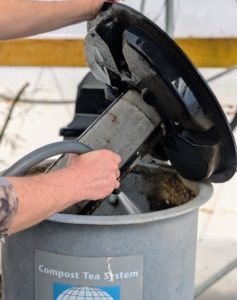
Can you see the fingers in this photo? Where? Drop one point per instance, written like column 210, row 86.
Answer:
column 116, row 185
column 117, row 174
column 117, row 158
column 97, row 171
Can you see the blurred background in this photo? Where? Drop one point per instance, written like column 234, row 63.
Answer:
column 53, row 65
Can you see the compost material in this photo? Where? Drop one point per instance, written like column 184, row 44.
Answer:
column 39, row 169
column 170, row 192
column 165, row 188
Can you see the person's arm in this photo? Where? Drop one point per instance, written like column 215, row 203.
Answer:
column 90, row 176
column 22, row 18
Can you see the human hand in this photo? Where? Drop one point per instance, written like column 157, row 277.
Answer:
column 93, row 175
column 94, row 7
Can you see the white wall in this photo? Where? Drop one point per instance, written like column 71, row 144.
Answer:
column 193, row 18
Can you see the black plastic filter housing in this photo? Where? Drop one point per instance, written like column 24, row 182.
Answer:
column 125, row 50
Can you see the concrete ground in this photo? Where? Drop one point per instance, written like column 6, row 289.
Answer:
column 34, row 125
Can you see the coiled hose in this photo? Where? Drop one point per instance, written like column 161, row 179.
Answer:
column 43, row 153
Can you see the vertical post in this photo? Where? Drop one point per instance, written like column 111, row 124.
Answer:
column 170, row 18
column 142, row 6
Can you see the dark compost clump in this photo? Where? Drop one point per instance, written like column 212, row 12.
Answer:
column 163, row 187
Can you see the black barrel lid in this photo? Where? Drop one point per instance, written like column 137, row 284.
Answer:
column 126, row 50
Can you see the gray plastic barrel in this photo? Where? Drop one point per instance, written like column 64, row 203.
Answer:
column 150, row 256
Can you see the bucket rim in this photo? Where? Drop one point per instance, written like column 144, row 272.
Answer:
column 205, row 191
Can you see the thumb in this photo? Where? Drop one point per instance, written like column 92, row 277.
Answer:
column 71, row 157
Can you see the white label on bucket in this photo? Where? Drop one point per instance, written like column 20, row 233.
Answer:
column 60, row 277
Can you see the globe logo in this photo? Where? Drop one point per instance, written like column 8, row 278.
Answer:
column 84, row 293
